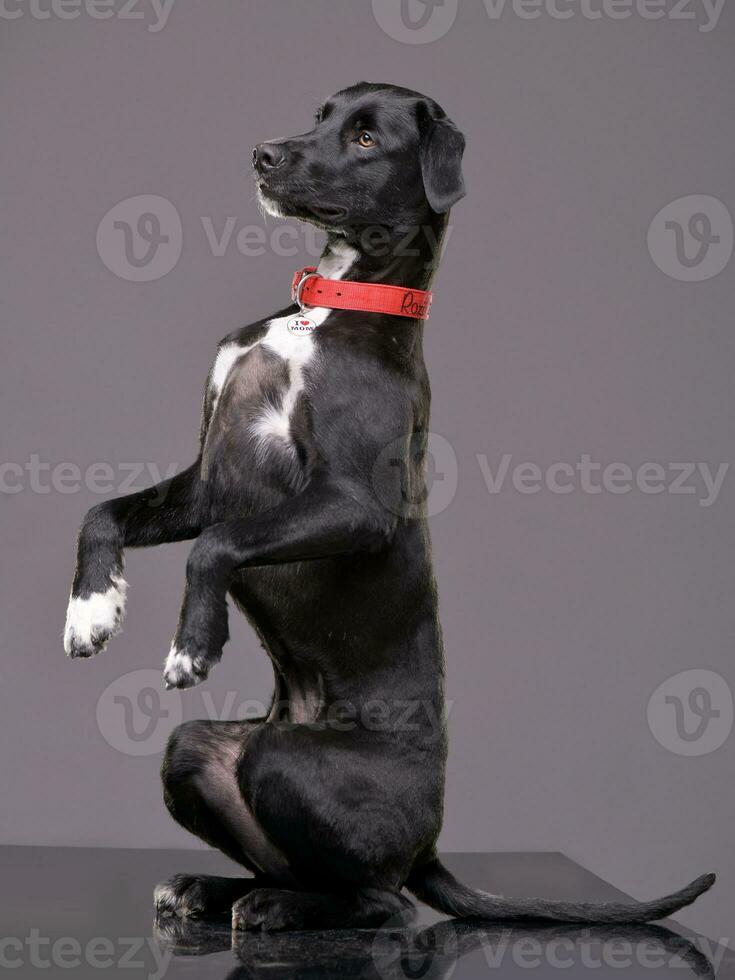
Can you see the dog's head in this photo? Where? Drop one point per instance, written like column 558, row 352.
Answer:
column 377, row 155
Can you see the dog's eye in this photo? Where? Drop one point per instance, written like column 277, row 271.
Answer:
column 365, row 140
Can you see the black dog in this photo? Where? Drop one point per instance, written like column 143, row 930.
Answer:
column 306, row 505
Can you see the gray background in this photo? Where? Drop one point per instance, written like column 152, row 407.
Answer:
column 553, row 334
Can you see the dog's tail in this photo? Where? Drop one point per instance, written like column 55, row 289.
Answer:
column 437, row 887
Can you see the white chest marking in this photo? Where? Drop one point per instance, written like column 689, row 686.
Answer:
column 226, row 357
column 274, row 419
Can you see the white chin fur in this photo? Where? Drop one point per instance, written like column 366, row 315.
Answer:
column 92, row 621
column 269, row 206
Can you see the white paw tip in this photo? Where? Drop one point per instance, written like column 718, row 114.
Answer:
column 178, row 669
column 91, row 621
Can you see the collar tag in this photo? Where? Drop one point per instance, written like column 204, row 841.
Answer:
column 301, row 325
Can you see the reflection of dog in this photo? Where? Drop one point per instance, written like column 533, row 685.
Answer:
column 397, row 951
column 298, row 514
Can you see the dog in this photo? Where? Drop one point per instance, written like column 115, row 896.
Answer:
column 307, row 506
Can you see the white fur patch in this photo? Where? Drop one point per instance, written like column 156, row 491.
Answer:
column 92, row 621
column 226, row 358
column 338, row 261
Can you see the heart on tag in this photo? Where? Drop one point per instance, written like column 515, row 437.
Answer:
column 301, row 326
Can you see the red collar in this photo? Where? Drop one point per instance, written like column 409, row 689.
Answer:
column 310, row 289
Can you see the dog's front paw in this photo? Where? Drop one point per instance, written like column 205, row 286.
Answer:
column 92, row 620
column 183, row 669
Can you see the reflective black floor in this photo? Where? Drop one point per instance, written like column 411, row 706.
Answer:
column 86, row 912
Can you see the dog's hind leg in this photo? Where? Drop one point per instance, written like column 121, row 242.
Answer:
column 348, row 834
column 202, row 794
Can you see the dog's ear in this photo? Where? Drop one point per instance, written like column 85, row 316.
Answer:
column 441, row 149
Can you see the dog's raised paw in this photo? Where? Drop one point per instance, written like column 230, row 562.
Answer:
column 91, row 621
column 183, row 670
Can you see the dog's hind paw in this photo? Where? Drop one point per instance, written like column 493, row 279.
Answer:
column 279, row 910
column 183, row 670
column 267, row 910
column 93, row 620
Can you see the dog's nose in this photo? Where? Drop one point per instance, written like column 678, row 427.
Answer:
column 268, row 156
